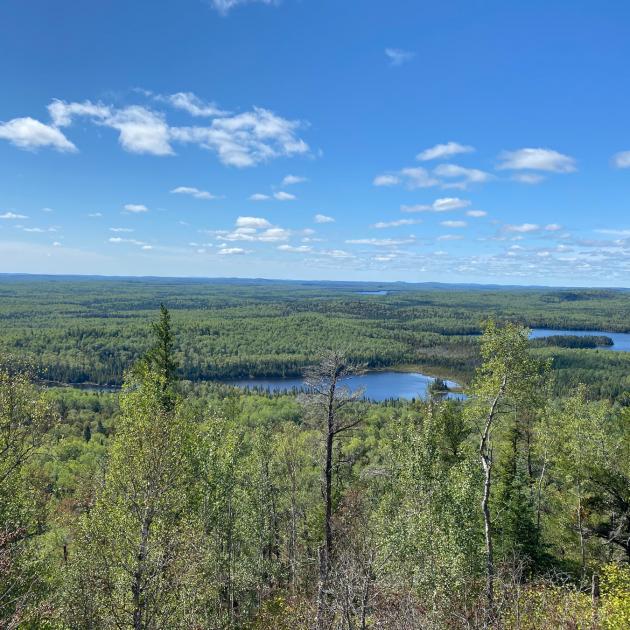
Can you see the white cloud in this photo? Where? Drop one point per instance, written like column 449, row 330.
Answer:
column 380, row 242
column 146, row 247
column 336, row 253
column 299, row 249
column 444, row 175
column 537, row 160
column 95, row 215
column 444, row 204
column 399, row 222
column 36, row 230
column 141, row 130
column 131, row 241
column 465, row 175
column 323, row 218
column 290, row 180
column 224, row 6
column 440, row 151
column 240, row 140
column 252, row 222
column 12, row 216
column 476, row 213
column 233, row 251
column 622, row 159
column 246, row 139
column 524, row 228
column 30, row 134
column 528, row 178
column 449, row 203
column 553, row 227
column 418, row 177
column 397, row 56
column 259, row 197
column 47, row 210
column 273, row 234
column 612, row 232
column 191, row 103
column 119, row 229
column 386, row 180
column 136, row 207
column 62, row 113
column 193, row 192
column 450, row 237
column 56, row 244
column 284, row 196
column 454, row 224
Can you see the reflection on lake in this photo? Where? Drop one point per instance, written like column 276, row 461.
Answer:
column 621, row 341
column 378, row 386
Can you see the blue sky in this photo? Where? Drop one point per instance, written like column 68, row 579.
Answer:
column 403, row 140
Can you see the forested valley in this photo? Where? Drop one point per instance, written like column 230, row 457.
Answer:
column 182, row 502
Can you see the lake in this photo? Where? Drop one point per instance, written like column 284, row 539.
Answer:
column 372, row 292
column 621, row 341
column 378, row 386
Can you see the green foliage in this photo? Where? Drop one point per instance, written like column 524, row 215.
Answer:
column 91, row 331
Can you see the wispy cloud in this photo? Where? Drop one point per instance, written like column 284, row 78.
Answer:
column 297, row 249
column 476, row 213
column 622, row 159
column 463, row 175
column 537, row 159
column 323, row 218
column 259, row 197
column 136, row 207
column 444, row 175
column 283, row 196
column 246, row 139
column 233, row 251
column 528, row 178
column 380, row 242
column 130, row 241
column 444, row 204
column 450, row 237
column 418, row 177
column 614, row 232
column 441, row 151
column 225, row 6
column 193, row 192
column 397, row 56
column 454, row 224
column 291, row 180
column 523, row 228
column 120, row 229
column 12, row 216
column 400, row 222
column 386, row 180
column 252, row 222
column 192, row 104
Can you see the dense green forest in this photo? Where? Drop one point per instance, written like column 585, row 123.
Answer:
column 90, row 330
column 190, row 504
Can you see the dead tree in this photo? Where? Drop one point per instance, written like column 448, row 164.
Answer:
column 326, row 398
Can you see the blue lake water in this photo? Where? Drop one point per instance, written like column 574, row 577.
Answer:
column 621, row 341
column 378, row 386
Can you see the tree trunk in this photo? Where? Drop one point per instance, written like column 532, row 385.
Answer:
column 137, row 588
column 325, row 558
column 485, row 452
